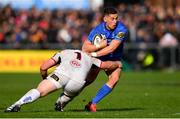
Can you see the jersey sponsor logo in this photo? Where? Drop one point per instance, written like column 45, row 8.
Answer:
column 54, row 77
column 120, row 35
column 75, row 64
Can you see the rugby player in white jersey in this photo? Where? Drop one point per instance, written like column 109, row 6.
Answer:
column 70, row 74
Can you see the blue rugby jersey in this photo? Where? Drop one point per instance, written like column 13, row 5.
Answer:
column 119, row 33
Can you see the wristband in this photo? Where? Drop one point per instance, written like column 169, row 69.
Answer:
column 94, row 54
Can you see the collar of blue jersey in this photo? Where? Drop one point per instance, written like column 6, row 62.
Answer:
column 105, row 26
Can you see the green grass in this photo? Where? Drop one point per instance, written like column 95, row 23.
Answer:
column 137, row 94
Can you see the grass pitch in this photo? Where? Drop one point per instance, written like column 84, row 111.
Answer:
column 137, row 94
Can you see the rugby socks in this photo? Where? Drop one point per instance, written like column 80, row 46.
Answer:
column 30, row 96
column 105, row 90
column 64, row 99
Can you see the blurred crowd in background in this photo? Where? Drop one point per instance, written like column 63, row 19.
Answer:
column 146, row 23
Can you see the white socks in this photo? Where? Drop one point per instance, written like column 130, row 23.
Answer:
column 63, row 99
column 30, row 96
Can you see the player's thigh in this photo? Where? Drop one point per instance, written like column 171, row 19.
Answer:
column 53, row 81
column 73, row 87
column 113, row 76
column 45, row 87
column 93, row 73
column 59, row 80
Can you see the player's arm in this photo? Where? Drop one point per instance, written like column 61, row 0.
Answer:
column 45, row 66
column 48, row 64
column 89, row 47
column 110, row 65
column 109, row 49
column 106, row 65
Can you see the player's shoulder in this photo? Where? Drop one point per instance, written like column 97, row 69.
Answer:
column 67, row 51
column 74, row 51
column 121, row 27
column 71, row 50
column 121, row 31
column 100, row 26
column 96, row 30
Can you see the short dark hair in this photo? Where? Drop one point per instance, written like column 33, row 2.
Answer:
column 110, row 10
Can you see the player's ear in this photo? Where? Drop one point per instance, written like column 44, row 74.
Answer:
column 105, row 18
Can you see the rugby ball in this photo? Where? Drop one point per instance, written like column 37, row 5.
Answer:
column 97, row 39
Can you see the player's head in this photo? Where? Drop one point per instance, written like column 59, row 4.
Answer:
column 110, row 17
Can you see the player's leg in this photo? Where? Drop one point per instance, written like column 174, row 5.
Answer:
column 71, row 90
column 44, row 87
column 105, row 89
column 93, row 73
column 62, row 101
column 67, row 98
column 30, row 96
column 113, row 77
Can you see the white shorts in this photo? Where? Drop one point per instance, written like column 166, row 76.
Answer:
column 58, row 80
column 71, row 87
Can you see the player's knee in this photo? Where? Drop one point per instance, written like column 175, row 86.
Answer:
column 42, row 92
column 120, row 64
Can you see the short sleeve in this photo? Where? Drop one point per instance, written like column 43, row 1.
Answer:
column 121, row 35
column 96, row 61
column 121, row 32
column 91, row 35
column 57, row 57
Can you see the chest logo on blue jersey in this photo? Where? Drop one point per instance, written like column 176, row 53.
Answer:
column 120, row 35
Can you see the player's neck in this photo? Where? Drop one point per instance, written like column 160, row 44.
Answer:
column 107, row 27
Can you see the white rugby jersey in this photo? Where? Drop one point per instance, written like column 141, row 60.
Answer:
column 74, row 63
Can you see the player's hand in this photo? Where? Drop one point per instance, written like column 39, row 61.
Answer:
column 103, row 43
column 43, row 73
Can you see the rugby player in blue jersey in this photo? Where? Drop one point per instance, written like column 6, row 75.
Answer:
column 113, row 34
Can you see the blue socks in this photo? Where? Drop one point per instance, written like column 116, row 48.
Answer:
column 101, row 93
